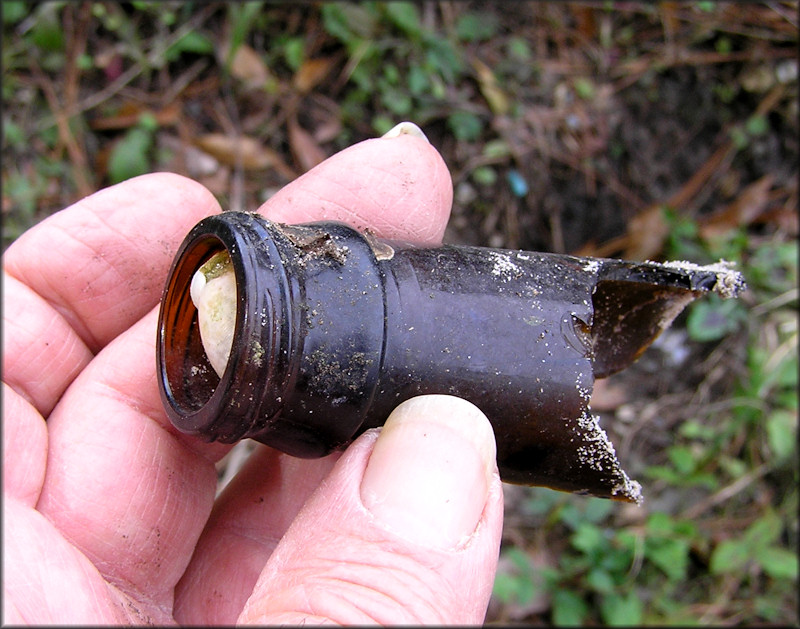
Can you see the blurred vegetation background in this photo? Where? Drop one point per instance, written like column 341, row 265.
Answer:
column 624, row 129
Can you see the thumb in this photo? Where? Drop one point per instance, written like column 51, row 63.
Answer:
column 406, row 528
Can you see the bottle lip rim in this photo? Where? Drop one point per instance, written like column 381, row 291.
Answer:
column 198, row 401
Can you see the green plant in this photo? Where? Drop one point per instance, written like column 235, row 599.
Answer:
column 659, row 570
column 401, row 66
column 131, row 155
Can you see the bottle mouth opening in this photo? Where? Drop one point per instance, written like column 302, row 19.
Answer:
column 187, row 379
column 247, row 393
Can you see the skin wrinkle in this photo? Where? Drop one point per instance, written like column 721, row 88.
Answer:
column 52, row 335
column 327, row 603
column 31, row 541
column 407, row 219
column 405, row 576
column 106, row 541
column 321, row 596
column 352, row 532
column 52, row 292
column 24, row 448
column 377, row 221
column 122, row 576
column 92, row 327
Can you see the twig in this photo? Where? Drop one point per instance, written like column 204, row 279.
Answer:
column 179, row 84
column 726, row 493
column 76, row 154
column 131, row 73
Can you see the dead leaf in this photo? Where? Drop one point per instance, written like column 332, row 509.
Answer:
column 129, row 115
column 585, row 21
column 311, row 73
column 248, row 66
column 305, row 150
column 247, row 151
column 750, row 204
column 607, row 396
column 647, row 232
column 328, row 130
column 490, row 89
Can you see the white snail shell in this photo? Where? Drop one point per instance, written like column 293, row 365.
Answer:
column 213, row 292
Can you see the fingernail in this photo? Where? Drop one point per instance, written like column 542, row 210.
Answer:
column 430, row 471
column 405, row 128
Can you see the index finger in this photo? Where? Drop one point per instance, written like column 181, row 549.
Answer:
column 397, row 187
column 101, row 262
column 86, row 274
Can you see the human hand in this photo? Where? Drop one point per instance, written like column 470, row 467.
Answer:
column 109, row 512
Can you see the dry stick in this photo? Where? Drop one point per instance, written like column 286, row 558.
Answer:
column 630, row 72
column 726, row 493
column 76, row 155
column 696, row 182
column 180, row 84
column 131, row 73
column 76, row 46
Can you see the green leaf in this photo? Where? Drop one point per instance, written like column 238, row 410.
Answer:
column 472, row 27
column 713, row 318
column 405, row 15
column 779, row 563
column 497, row 149
column 588, row 537
column 129, row 158
column 47, row 32
column 739, row 138
column 484, row 175
column 584, row 88
column 764, row 531
column 397, row 101
column 692, row 429
column 192, row 42
column 418, row 82
column 242, row 17
column 596, row 509
column 730, row 556
column 757, row 125
column 148, row 121
column 348, row 22
column 781, row 427
column 519, row 48
column 670, row 555
column 465, row 125
column 663, row 472
column 13, row 12
column 659, row 523
column 600, row 581
column 519, row 583
column 505, row 587
column 441, row 57
column 382, row 124
column 569, row 609
column 621, row 610
column 294, row 51
column 682, row 458
column 13, row 134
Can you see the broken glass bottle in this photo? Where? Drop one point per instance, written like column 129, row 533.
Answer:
column 303, row 336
